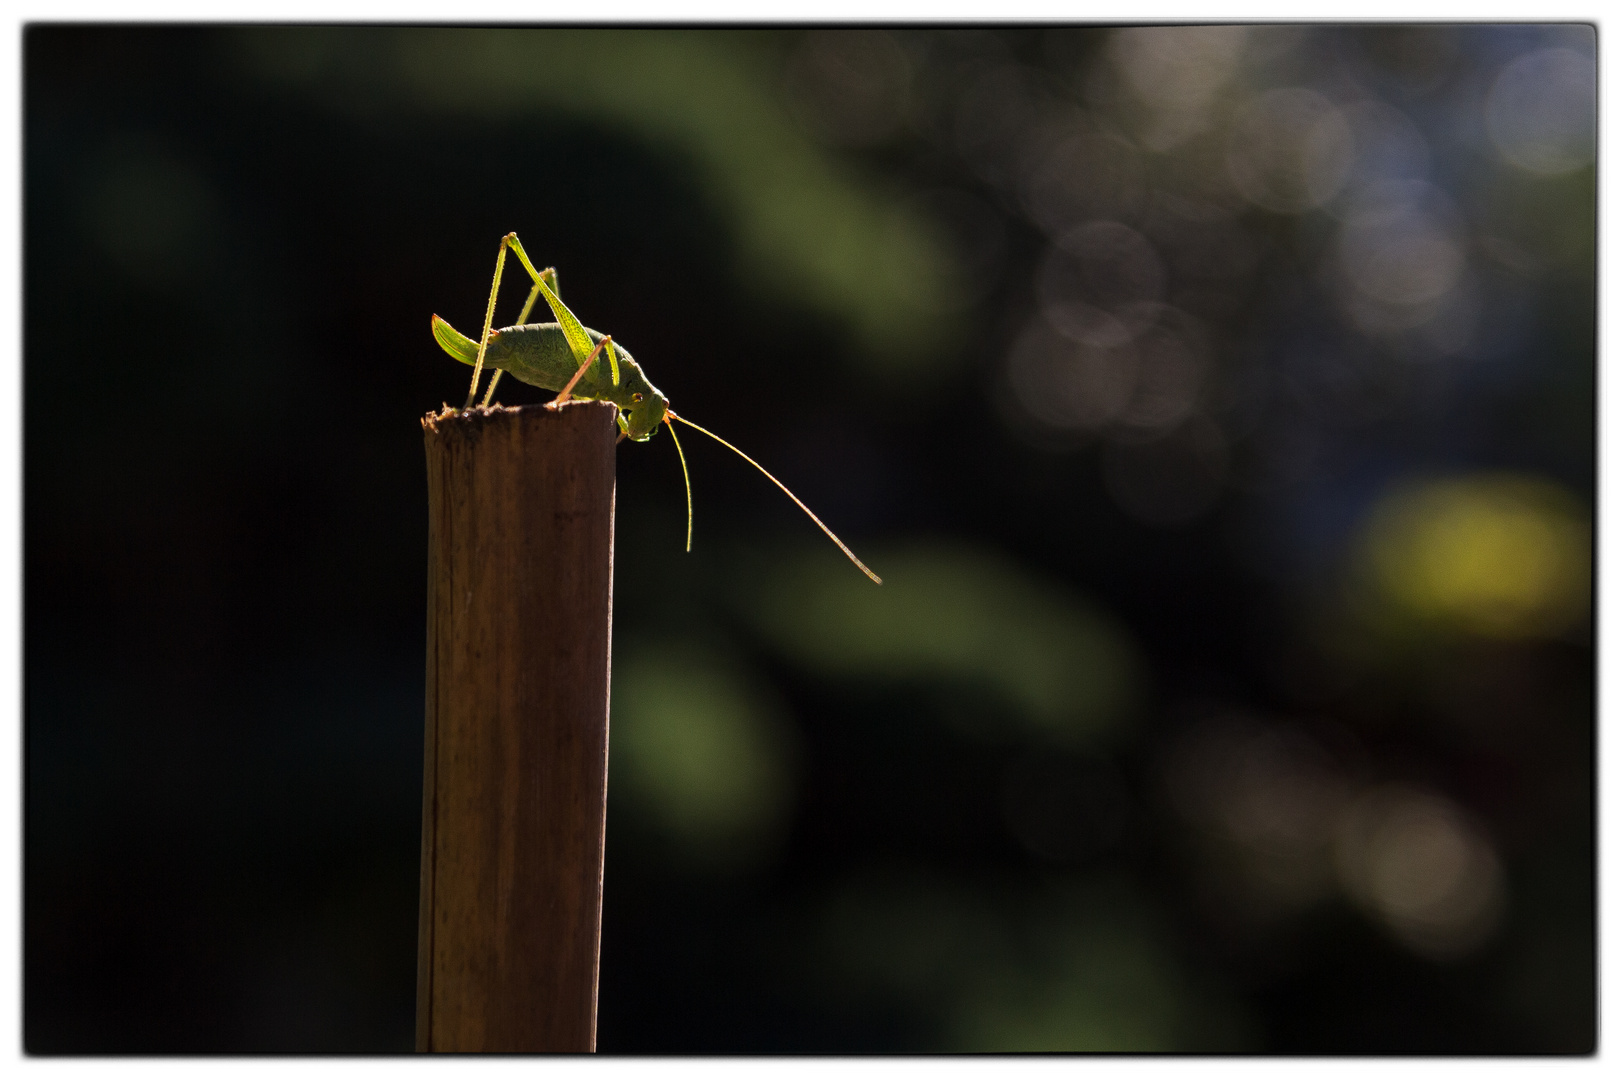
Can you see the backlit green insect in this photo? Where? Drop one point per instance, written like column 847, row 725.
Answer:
column 562, row 356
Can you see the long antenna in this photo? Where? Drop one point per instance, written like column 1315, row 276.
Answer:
column 684, row 476
column 841, row 546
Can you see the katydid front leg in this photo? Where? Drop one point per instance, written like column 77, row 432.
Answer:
column 607, row 339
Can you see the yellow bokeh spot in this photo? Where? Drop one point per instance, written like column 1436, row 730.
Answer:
column 1501, row 555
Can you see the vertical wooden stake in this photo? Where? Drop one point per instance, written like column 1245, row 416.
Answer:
column 520, row 597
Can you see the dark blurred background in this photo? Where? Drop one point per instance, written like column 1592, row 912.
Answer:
column 1216, row 402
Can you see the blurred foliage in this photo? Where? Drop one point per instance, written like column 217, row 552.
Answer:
column 698, row 751
column 1215, row 401
column 808, row 227
column 1078, row 966
column 950, row 621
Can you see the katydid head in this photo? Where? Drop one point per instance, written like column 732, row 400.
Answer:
column 646, row 412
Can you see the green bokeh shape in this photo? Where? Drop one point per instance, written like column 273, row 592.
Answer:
column 811, row 227
column 955, row 617
column 699, row 752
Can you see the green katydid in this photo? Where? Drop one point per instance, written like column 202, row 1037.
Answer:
column 562, row 356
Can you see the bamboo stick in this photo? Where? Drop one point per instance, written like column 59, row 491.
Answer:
column 520, row 589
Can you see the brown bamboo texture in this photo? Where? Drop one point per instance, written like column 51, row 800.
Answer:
column 520, row 597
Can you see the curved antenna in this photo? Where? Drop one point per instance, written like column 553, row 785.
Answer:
column 778, row 483
column 684, row 476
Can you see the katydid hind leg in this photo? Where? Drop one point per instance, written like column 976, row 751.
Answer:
column 523, row 318
column 489, row 392
column 489, row 319
column 579, row 342
column 549, row 276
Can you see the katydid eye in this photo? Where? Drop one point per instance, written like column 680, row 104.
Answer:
column 637, row 397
